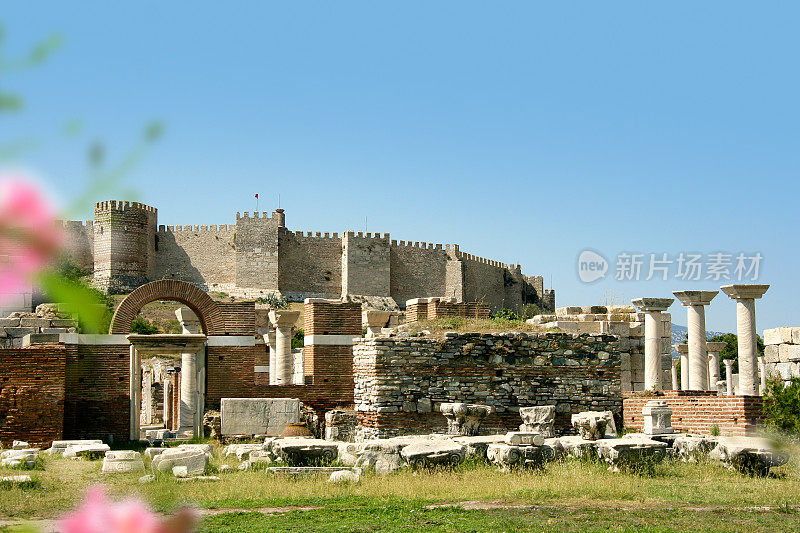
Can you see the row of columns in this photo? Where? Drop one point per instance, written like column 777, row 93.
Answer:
column 682, row 383
column 695, row 365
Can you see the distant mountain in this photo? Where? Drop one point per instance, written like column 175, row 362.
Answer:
column 679, row 334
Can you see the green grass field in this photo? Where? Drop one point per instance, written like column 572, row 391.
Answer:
column 567, row 496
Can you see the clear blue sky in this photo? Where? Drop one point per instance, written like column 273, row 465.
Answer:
column 525, row 131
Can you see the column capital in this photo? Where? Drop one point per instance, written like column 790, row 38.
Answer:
column 715, row 346
column 744, row 291
column 681, row 348
column 728, row 362
column 653, row 304
column 675, row 363
column 283, row 318
column 695, row 297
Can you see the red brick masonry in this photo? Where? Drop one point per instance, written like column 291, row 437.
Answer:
column 698, row 411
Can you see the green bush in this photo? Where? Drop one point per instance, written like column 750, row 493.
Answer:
column 275, row 301
column 530, row 311
column 782, row 405
column 298, row 339
column 506, row 314
column 143, row 327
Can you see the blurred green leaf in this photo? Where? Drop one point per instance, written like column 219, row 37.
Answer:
column 10, row 102
column 153, row 131
column 86, row 303
column 72, row 128
column 13, row 149
column 42, row 50
column 97, row 154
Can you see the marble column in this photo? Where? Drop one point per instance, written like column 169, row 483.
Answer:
column 273, row 361
column 762, row 369
column 745, row 296
column 695, row 302
column 374, row 321
column 729, row 376
column 713, row 349
column 189, row 370
column 284, row 320
column 683, row 352
column 652, row 307
column 675, row 383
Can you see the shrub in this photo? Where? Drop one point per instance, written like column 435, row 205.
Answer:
column 530, row 311
column 143, row 327
column 782, row 405
column 298, row 339
column 506, row 314
column 275, row 301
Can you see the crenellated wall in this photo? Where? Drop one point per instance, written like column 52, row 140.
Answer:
column 310, row 265
column 124, row 245
column 196, row 254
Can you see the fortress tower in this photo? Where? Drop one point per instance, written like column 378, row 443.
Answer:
column 124, row 245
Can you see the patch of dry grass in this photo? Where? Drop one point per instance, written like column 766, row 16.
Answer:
column 439, row 326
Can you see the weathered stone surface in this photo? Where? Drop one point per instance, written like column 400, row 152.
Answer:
column 577, row 446
column 631, row 451
column 242, row 451
column 195, row 461
column 381, row 455
column 122, row 461
column 538, row 419
column 750, row 455
column 657, row 418
column 521, row 438
column 464, row 418
column 689, row 448
column 433, row 452
column 152, row 452
column 149, row 478
column 301, row 451
column 592, row 425
column 20, row 445
column 91, row 451
column 59, row 446
column 476, row 446
column 258, row 416
column 507, row 456
column 344, row 476
column 21, row 458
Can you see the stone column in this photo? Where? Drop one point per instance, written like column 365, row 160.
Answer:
column 683, row 353
column 652, row 307
column 729, row 376
column 190, row 324
column 745, row 296
column 713, row 349
column 284, row 320
column 374, row 321
column 762, row 369
column 273, row 361
column 695, row 302
column 675, row 384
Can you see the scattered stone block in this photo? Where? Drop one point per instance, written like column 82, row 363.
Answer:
column 690, row 448
column 344, row 476
column 152, row 452
column 149, row 478
column 592, row 425
column 301, row 451
column 631, row 452
column 507, row 456
column 21, row 458
column 520, row 438
column 122, row 461
column 258, row 416
column 477, row 446
column 19, row 445
column 19, row 481
column 538, row 419
column 180, row 471
column 577, row 446
column 59, row 446
column 89, row 451
column 464, row 418
column 195, row 461
column 750, row 455
column 433, row 453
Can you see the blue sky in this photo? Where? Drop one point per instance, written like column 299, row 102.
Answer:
column 526, row 132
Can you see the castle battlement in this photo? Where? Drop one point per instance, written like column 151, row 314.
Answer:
column 212, row 228
column 470, row 257
column 314, row 235
column 119, row 205
column 74, row 224
column 366, row 236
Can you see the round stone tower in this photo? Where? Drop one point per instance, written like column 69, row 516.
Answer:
column 124, row 245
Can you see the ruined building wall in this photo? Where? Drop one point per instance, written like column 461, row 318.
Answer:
column 484, row 282
column 197, row 254
column 310, row 265
column 399, row 383
column 124, row 245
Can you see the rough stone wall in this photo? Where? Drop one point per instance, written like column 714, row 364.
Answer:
column 399, row 383
column 782, row 352
column 97, row 399
column 366, row 264
column 124, row 245
column 454, row 280
column 310, row 266
column 79, row 242
column 257, row 250
column 698, row 411
column 418, row 271
column 32, row 385
column 198, row 254
column 484, row 282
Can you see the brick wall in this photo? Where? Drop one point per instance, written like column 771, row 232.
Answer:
column 698, row 411
column 32, row 388
column 400, row 382
column 97, row 402
column 239, row 317
column 433, row 308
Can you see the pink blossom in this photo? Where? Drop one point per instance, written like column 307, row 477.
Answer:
column 29, row 237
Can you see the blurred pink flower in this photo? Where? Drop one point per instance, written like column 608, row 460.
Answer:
column 98, row 515
column 29, row 236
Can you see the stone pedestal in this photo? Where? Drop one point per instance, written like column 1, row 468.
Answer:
column 695, row 302
column 374, row 321
column 683, row 353
column 652, row 307
column 745, row 296
column 657, row 418
column 284, row 320
column 463, row 418
column 729, row 377
column 713, row 349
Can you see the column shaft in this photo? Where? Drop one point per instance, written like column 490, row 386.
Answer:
column 188, row 389
column 746, row 334
column 729, row 378
column 698, row 363
column 283, row 355
column 713, row 370
column 652, row 350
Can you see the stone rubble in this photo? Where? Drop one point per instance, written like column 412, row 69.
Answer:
column 122, row 461
column 749, row 455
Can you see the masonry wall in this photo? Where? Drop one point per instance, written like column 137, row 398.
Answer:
column 32, row 388
column 79, row 242
column 417, row 271
column 97, row 402
column 202, row 255
column 782, row 353
column 310, row 266
column 257, row 250
column 124, row 245
column 698, row 411
column 366, row 264
column 399, row 383
column 484, row 282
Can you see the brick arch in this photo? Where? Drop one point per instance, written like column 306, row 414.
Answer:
column 188, row 294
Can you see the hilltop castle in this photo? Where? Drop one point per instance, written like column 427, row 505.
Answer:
column 125, row 247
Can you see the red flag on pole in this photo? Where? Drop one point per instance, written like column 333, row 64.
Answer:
column 256, row 195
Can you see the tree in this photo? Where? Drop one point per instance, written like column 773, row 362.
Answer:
column 731, row 351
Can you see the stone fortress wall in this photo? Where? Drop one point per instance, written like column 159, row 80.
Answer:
column 259, row 255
